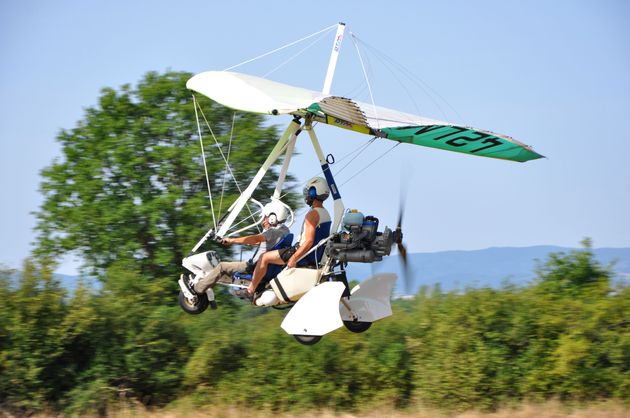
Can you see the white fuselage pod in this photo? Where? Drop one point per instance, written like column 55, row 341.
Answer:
column 321, row 310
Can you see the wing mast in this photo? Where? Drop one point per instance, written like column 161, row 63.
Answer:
column 332, row 63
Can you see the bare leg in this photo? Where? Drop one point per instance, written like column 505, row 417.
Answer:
column 271, row 257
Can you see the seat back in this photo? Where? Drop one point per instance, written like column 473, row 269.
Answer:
column 274, row 269
column 321, row 232
column 284, row 242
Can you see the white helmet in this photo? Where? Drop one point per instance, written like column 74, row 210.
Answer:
column 316, row 188
column 275, row 212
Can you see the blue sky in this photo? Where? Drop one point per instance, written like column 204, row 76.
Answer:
column 555, row 75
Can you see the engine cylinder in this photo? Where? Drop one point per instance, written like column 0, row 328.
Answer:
column 358, row 256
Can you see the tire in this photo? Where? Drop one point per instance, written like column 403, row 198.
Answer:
column 196, row 309
column 307, row 339
column 357, row 326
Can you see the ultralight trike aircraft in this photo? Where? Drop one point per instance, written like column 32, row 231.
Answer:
column 321, row 298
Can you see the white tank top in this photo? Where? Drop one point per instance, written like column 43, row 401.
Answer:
column 324, row 216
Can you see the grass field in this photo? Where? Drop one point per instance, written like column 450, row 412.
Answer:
column 551, row 409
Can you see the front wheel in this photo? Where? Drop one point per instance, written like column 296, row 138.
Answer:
column 307, row 339
column 357, row 326
column 194, row 308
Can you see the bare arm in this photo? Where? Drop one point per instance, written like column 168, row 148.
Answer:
column 310, row 224
column 247, row 240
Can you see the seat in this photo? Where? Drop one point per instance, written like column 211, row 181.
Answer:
column 313, row 259
column 274, row 269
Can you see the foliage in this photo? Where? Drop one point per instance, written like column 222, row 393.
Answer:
column 565, row 336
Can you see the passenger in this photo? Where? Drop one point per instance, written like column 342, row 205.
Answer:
column 275, row 214
column 316, row 227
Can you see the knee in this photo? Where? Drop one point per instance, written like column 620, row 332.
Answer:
column 267, row 257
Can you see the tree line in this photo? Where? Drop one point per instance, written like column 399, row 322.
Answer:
column 565, row 336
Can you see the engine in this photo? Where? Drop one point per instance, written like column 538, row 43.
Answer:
column 359, row 241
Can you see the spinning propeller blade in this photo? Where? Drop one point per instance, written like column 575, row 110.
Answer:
column 398, row 237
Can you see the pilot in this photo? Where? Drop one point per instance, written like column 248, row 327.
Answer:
column 316, row 227
column 275, row 214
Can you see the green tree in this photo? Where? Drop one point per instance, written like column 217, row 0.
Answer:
column 130, row 184
column 563, row 336
column 572, row 352
column 6, row 319
column 35, row 336
column 134, row 346
column 576, row 274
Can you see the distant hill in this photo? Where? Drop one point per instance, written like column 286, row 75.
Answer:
column 460, row 269
column 66, row 281
column 70, row 282
column 479, row 268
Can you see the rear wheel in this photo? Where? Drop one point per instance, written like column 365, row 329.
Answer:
column 357, row 326
column 193, row 308
column 307, row 339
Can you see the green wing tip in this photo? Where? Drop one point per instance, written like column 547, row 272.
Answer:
column 526, row 156
column 535, row 155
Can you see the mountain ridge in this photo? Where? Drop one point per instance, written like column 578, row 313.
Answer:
column 458, row 269
column 489, row 267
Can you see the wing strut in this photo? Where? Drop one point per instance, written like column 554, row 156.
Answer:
column 285, row 165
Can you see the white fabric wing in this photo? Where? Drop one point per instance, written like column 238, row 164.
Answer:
column 259, row 95
column 252, row 94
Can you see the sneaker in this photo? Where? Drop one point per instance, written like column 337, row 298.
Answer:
column 243, row 294
column 210, row 295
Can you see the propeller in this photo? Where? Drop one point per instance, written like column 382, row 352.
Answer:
column 398, row 240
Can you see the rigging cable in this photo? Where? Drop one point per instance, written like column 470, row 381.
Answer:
column 205, row 166
column 366, row 78
column 419, row 82
column 357, row 150
column 224, row 159
column 227, row 162
column 364, row 147
column 220, row 151
column 294, row 56
column 356, row 91
column 389, row 66
column 282, row 47
column 251, row 216
column 375, row 160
